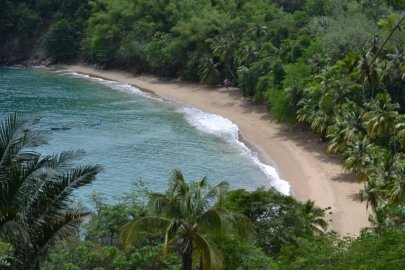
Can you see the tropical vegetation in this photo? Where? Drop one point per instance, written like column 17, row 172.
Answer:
column 187, row 215
column 287, row 234
column 333, row 66
column 35, row 207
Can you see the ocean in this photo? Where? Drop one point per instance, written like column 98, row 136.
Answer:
column 132, row 134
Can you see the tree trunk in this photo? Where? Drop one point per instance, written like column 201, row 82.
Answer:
column 187, row 256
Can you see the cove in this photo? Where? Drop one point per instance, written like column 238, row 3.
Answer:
column 131, row 134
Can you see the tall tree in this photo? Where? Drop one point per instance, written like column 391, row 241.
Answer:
column 187, row 214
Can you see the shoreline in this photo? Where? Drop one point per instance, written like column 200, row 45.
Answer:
column 298, row 157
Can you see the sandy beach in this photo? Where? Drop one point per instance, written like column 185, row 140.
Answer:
column 298, row 156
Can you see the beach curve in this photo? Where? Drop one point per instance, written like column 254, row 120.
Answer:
column 298, row 157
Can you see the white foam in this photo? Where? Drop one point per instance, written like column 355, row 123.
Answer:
column 210, row 123
column 224, row 128
column 39, row 67
column 119, row 86
column 206, row 122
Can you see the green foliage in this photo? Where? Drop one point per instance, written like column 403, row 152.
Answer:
column 246, row 81
column 108, row 221
column 131, row 53
column 78, row 254
column 61, row 41
column 329, row 252
column 319, row 252
column 24, row 24
column 289, row 231
column 319, row 7
column 187, row 216
column 34, row 204
column 385, row 251
column 337, row 66
column 208, row 71
column 350, row 105
column 280, row 105
column 165, row 54
column 241, row 255
column 296, row 76
column 291, row 5
column 278, row 219
column 6, row 255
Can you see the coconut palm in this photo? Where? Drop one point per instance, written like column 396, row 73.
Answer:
column 208, row 71
column 400, row 130
column 224, row 48
column 360, row 157
column 381, row 117
column 346, row 129
column 395, row 182
column 247, row 53
column 34, row 192
column 385, row 180
column 396, row 60
column 337, row 136
column 371, row 70
column 186, row 214
column 315, row 217
column 308, row 107
column 258, row 31
column 372, row 193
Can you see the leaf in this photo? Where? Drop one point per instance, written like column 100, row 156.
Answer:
column 132, row 231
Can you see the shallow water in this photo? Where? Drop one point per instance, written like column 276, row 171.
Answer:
column 131, row 134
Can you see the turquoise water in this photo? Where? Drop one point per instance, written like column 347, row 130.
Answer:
column 133, row 136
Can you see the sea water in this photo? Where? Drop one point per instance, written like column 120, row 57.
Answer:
column 131, row 134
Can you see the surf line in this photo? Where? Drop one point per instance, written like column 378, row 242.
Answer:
column 208, row 123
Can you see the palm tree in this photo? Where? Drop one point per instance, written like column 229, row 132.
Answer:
column 258, row 31
column 246, row 54
column 360, row 157
column 385, row 180
column 315, row 217
column 34, row 192
column 208, row 71
column 370, row 70
column 346, row 129
column 186, row 214
column 372, row 193
column 400, row 130
column 381, row 117
column 224, row 48
column 395, row 182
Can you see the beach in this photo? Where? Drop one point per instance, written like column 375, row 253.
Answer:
column 298, row 156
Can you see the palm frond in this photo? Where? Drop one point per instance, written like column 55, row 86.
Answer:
column 12, row 231
column 160, row 205
column 63, row 160
column 170, row 236
column 14, row 136
column 53, row 229
column 51, row 195
column 177, row 185
column 21, row 177
column 176, row 176
column 216, row 194
column 242, row 225
column 211, row 258
column 131, row 231
column 212, row 221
